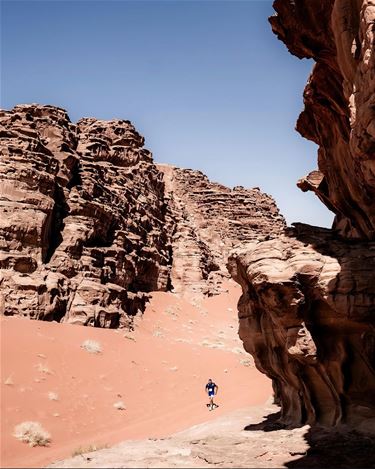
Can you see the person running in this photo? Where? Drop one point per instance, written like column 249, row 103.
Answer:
column 211, row 390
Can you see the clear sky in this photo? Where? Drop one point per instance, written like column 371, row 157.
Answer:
column 206, row 82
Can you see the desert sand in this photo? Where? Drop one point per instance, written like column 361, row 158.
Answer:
column 158, row 371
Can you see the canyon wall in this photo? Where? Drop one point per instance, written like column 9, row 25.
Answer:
column 308, row 305
column 210, row 219
column 89, row 225
column 82, row 228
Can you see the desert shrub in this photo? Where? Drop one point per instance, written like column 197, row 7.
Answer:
column 43, row 368
column 9, row 381
column 119, row 405
column 91, row 346
column 32, row 433
column 88, row 449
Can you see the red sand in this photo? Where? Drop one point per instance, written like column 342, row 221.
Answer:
column 160, row 376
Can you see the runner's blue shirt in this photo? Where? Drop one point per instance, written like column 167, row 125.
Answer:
column 211, row 387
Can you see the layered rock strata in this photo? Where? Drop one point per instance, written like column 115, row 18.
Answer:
column 308, row 303
column 88, row 228
column 210, row 219
column 306, row 316
column 83, row 230
column 339, row 112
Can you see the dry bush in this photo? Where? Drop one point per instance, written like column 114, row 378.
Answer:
column 88, row 449
column 119, row 405
column 239, row 351
column 32, row 433
column 207, row 343
column 43, row 368
column 9, row 381
column 91, row 346
column 52, row 396
column 246, row 362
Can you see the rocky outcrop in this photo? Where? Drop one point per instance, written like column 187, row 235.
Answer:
column 308, row 303
column 88, row 229
column 210, row 219
column 339, row 112
column 83, row 230
column 306, row 317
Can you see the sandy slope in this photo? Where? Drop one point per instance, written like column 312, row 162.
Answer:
column 158, row 371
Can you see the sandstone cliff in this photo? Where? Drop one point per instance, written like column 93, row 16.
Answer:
column 339, row 112
column 210, row 219
column 306, row 317
column 308, row 303
column 87, row 228
column 83, row 228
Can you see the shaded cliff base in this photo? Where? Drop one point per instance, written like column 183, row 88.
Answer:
column 158, row 372
column 305, row 316
column 243, row 438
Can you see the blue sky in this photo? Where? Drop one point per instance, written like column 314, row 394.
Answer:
column 206, row 82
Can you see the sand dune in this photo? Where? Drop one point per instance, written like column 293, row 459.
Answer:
column 157, row 372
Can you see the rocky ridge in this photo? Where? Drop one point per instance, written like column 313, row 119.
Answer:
column 210, row 219
column 308, row 303
column 88, row 230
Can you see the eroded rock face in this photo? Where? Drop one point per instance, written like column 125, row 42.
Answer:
column 339, row 98
column 210, row 219
column 88, row 228
column 306, row 317
column 308, row 303
column 83, row 229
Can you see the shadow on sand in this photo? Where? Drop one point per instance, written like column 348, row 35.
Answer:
column 270, row 424
column 328, row 448
column 336, row 449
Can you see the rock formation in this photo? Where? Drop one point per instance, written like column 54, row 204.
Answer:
column 210, row 219
column 308, row 304
column 305, row 316
column 83, row 218
column 339, row 112
column 87, row 228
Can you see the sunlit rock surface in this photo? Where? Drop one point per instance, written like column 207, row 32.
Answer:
column 89, row 225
